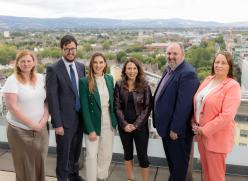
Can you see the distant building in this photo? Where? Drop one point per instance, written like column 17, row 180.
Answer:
column 103, row 36
column 239, row 53
column 241, row 128
column 6, row 34
column 157, row 36
column 244, row 75
column 96, row 47
column 154, row 46
column 143, row 38
column 116, row 72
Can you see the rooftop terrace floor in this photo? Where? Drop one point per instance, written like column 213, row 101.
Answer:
column 117, row 171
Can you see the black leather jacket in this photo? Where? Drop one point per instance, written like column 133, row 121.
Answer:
column 142, row 104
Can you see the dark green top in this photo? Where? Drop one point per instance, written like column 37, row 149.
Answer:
column 91, row 105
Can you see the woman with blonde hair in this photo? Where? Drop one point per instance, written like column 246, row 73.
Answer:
column 25, row 96
column 99, row 121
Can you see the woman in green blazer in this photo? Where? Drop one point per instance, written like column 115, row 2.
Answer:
column 99, row 121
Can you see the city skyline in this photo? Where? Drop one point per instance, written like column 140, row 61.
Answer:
column 211, row 10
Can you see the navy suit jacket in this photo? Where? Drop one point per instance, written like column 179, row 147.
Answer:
column 174, row 107
column 60, row 95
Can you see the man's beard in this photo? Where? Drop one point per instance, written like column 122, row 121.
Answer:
column 69, row 60
column 172, row 65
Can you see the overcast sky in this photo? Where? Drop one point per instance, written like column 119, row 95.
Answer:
column 204, row 10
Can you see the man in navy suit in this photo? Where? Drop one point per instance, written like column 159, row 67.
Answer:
column 173, row 110
column 64, row 105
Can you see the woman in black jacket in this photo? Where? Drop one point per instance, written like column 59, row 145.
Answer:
column 132, row 101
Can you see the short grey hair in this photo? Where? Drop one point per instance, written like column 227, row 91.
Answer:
column 177, row 43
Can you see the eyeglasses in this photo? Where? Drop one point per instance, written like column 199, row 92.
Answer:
column 67, row 50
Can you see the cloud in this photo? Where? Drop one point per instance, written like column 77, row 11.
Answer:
column 215, row 10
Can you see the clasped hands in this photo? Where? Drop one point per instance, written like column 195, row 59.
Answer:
column 129, row 128
column 38, row 126
column 197, row 129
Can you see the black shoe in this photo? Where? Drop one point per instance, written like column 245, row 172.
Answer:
column 76, row 178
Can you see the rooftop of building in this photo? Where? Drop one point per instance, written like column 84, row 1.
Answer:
column 117, row 170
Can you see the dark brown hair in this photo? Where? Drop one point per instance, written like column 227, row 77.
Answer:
column 18, row 71
column 91, row 76
column 140, row 82
column 228, row 57
column 67, row 39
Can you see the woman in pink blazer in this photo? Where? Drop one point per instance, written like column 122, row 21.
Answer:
column 215, row 106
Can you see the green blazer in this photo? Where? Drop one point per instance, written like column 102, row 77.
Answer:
column 91, row 105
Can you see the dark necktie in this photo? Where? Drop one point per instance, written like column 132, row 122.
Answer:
column 74, row 87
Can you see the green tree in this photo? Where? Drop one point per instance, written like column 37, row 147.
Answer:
column 161, row 61
column 53, row 52
column 203, row 72
column 148, row 60
column 87, row 47
column 237, row 73
column 220, row 40
column 199, row 57
column 138, row 56
column 81, row 53
column 106, row 44
column 121, row 56
column 40, row 68
column 135, row 48
column 7, row 53
column 110, row 56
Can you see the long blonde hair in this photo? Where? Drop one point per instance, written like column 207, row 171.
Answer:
column 18, row 71
column 91, row 82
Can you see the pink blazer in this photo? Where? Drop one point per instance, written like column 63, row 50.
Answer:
column 217, row 115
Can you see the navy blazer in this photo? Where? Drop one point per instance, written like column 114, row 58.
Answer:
column 174, row 107
column 60, row 95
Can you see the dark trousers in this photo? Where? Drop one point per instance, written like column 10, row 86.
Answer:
column 177, row 153
column 68, row 152
column 140, row 137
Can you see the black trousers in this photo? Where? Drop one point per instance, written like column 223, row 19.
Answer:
column 68, row 152
column 140, row 137
column 177, row 153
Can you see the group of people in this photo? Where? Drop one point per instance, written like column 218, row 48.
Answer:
column 92, row 107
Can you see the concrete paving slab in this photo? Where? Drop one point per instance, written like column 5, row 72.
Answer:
column 7, row 176
column 2, row 151
column 236, row 178
column 82, row 172
column 10, row 176
column 162, row 174
column 51, row 165
column 6, row 162
column 119, row 173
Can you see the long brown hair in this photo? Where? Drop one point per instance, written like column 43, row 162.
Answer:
column 18, row 71
column 228, row 57
column 91, row 76
column 140, row 82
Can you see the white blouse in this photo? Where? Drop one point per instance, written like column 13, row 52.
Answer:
column 104, row 99
column 200, row 97
column 30, row 99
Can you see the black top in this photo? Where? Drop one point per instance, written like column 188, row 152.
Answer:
column 130, row 113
